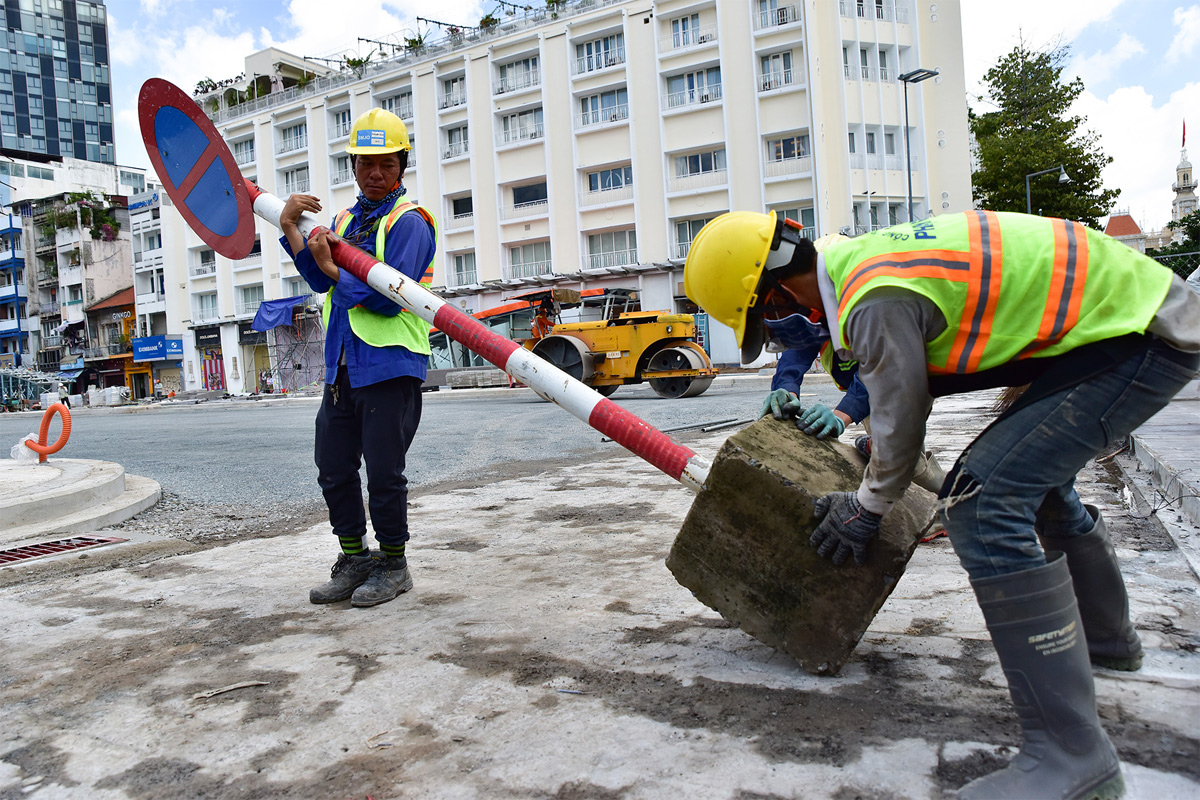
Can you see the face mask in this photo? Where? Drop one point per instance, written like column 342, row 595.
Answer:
column 794, row 332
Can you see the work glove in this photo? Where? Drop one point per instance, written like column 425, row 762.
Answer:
column 845, row 527
column 781, row 404
column 819, row 420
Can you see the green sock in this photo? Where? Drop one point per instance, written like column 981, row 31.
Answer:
column 352, row 545
column 392, row 550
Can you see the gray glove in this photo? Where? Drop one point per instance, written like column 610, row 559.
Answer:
column 819, row 420
column 846, row 527
column 781, row 404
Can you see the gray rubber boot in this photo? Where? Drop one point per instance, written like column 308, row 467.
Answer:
column 929, row 475
column 1035, row 627
column 389, row 579
column 1103, row 603
column 348, row 574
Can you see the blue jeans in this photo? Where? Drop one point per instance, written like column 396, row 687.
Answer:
column 1023, row 467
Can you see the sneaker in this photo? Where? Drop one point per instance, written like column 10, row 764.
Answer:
column 348, row 573
column 863, row 445
column 389, row 578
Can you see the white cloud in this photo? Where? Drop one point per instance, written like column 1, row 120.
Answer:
column 1144, row 141
column 1186, row 22
column 1099, row 67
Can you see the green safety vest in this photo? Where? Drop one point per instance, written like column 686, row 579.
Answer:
column 379, row 330
column 1011, row 286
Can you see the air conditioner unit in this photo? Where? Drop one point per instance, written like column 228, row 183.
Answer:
column 705, row 97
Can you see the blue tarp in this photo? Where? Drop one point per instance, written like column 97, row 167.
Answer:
column 273, row 313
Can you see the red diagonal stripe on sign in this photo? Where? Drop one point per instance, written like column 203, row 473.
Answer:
column 198, row 169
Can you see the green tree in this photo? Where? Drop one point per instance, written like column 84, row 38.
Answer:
column 1190, row 226
column 1032, row 129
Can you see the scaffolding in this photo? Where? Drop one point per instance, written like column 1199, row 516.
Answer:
column 297, row 351
column 22, row 387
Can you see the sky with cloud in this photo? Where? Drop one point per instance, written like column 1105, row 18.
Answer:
column 1139, row 61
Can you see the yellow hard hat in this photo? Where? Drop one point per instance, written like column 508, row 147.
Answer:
column 377, row 132
column 724, row 266
column 829, row 240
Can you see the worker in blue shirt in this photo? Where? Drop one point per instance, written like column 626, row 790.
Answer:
column 376, row 354
column 801, row 336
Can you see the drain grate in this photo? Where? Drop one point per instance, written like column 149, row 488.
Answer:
column 53, row 548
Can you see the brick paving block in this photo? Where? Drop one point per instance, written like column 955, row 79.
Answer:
column 743, row 549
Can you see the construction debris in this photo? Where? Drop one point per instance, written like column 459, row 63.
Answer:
column 743, row 549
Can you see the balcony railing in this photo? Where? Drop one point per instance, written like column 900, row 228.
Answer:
column 531, row 269
column 339, row 130
column 242, row 157
column 679, row 250
column 773, row 18
column 690, row 97
column 774, row 80
column 452, row 99
column 291, row 144
column 456, row 149
column 600, row 116
column 700, row 180
column 340, row 177
column 248, row 308
column 149, row 298
column 610, row 58
column 465, row 277
column 404, row 110
column 603, row 196
column 206, row 315
column 788, row 166
column 200, row 270
column 47, row 276
column 513, row 83
column 520, row 135
column 51, row 340
column 296, row 187
column 520, row 210
column 692, row 37
column 50, row 308
column 617, row 258
column 461, row 220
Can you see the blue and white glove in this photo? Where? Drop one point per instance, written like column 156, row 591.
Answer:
column 819, row 420
column 781, row 404
column 846, row 527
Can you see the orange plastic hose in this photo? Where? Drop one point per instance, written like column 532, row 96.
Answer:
column 40, row 446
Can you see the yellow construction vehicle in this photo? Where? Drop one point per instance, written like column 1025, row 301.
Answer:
column 624, row 346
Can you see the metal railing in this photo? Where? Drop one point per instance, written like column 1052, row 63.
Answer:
column 461, row 220
column 597, row 61
column 616, row 258
column 601, row 116
column 248, row 309
column 241, row 157
column 521, row 134
column 679, row 250
column 291, row 144
column 691, row 97
column 296, row 187
column 200, row 270
column 464, row 277
column 775, row 17
column 206, row 315
column 340, row 130
column 451, row 99
column 456, row 149
column 774, row 80
column 531, row 269
column 513, row 83
column 692, row 37
column 51, row 340
column 50, row 308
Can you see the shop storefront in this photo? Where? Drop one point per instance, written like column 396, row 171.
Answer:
column 212, row 364
column 157, row 359
column 256, row 358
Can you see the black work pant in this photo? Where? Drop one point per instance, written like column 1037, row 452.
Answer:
column 375, row 424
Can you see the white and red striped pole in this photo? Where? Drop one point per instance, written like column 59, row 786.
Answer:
column 550, row 382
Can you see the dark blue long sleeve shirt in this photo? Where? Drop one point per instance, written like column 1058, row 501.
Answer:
column 790, row 371
column 409, row 248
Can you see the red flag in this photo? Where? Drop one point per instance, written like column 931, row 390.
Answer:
column 1184, row 134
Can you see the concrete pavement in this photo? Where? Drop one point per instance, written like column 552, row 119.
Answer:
column 546, row 652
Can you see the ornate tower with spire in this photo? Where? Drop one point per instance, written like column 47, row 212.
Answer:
column 1185, row 201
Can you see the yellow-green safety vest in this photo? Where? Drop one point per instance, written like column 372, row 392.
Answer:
column 1011, row 286
column 379, row 330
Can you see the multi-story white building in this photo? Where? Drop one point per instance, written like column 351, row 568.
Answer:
column 586, row 146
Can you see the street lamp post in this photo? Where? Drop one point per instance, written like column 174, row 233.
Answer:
column 916, row 76
column 1063, row 177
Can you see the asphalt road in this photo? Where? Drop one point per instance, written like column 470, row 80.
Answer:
column 260, row 453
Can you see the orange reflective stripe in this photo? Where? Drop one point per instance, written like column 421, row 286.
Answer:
column 1065, row 296
column 983, row 292
column 427, row 278
column 342, row 221
column 945, row 264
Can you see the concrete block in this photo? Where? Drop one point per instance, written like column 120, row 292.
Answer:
column 743, row 549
